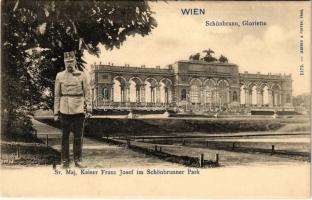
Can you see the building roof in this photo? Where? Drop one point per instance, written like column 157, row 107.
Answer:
column 206, row 63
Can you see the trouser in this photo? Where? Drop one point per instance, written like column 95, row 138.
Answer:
column 75, row 123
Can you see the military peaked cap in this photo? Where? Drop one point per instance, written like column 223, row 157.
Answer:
column 69, row 55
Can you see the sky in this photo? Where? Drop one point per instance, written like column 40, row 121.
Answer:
column 272, row 48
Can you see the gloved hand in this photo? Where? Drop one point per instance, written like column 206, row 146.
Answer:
column 56, row 118
column 88, row 115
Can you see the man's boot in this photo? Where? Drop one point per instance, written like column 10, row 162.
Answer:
column 65, row 164
column 79, row 165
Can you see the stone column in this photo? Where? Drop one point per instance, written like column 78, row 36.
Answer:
column 214, row 97
column 157, row 93
column 143, row 93
column 205, row 96
column 270, row 96
column 282, row 98
column 137, row 93
column 92, row 93
column 128, row 93
column 278, row 99
column 112, row 94
column 274, row 98
column 152, row 94
column 170, row 96
column 201, row 95
column 166, row 95
column 259, row 97
column 96, row 96
column 122, row 93
column 250, row 97
column 239, row 97
column 174, row 95
column 92, row 98
column 246, row 97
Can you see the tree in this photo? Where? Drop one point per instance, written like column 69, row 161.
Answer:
column 54, row 27
column 194, row 56
column 302, row 100
column 223, row 59
column 208, row 57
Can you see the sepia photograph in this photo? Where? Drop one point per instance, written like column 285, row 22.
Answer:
column 155, row 99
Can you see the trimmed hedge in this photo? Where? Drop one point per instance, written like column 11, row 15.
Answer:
column 102, row 127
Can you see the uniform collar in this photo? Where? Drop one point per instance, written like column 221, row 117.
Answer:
column 75, row 71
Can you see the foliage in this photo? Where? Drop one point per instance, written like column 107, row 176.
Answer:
column 302, row 100
column 36, row 33
column 208, row 57
column 194, row 56
column 223, row 59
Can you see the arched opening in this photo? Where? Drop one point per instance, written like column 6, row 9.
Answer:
column 135, row 89
column 117, row 91
column 165, row 91
column 254, row 95
column 276, row 95
column 183, row 95
column 223, row 93
column 150, row 90
column 235, row 97
column 105, row 94
column 195, row 91
column 132, row 87
column 265, row 96
column 243, row 95
column 209, row 93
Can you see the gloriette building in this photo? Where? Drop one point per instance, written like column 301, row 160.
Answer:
column 188, row 86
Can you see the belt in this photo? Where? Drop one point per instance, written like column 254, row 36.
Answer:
column 71, row 95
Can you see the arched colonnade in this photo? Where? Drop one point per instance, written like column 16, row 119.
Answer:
column 262, row 94
column 137, row 90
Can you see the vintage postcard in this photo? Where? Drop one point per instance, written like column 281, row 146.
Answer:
column 155, row 99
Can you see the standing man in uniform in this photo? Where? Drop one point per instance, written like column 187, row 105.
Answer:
column 71, row 106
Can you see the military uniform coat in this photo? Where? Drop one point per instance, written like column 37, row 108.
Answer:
column 72, row 93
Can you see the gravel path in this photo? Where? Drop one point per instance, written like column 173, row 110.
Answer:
column 99, row 154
